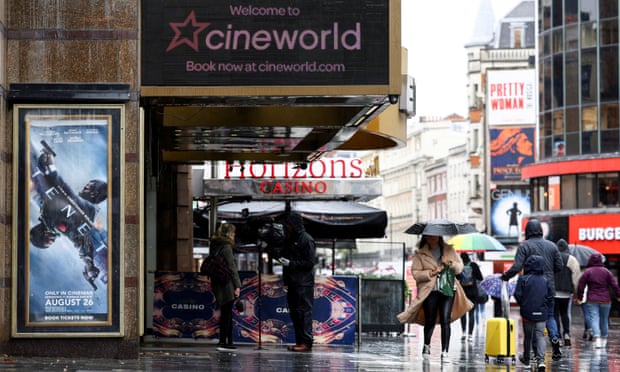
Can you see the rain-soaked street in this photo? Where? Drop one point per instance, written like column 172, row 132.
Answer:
column 375, row 353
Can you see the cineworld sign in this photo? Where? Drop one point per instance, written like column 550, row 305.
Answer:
column 309, row 42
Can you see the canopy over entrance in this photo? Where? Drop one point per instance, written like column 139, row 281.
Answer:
column 323, row 219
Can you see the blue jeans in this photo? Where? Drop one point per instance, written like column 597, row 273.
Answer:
column 598, row 316
column 552, row 326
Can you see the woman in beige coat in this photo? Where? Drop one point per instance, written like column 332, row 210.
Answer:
column 432, row 255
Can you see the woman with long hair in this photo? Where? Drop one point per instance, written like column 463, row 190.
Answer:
column 432, row 306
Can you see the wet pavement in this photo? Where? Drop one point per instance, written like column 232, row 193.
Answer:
column 374, row 353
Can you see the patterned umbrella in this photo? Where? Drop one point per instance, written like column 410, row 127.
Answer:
column 492, row 285
column 476, row 242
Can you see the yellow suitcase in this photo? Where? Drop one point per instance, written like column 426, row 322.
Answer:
column 500, row 342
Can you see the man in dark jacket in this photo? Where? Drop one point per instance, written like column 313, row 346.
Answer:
column 534, row 307
column 298, row 260
column 535, row 244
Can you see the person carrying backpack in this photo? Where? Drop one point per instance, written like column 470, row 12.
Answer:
column 566, row 282
column 469, row 278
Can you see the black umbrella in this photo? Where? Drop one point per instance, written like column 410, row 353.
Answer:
column 440, row 227
column 582, row 253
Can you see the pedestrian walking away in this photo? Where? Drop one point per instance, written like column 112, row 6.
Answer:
column 600, row 281
column 469, row 278
column 535, row 244
column 298, row 258
column 566, row 282
column 432, row 257
column 533, row 294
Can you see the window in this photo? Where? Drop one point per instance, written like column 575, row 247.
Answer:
column 608, row 190
column 586, row 190
column 571, row 15
column 588, row 76
column 568, row 192
column 558, row 122
column 609, row 74
column 517, row 38
column 572, row 78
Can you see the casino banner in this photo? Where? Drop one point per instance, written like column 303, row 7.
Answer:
column 185, row 307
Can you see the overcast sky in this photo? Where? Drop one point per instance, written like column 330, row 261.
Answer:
column 435, row 33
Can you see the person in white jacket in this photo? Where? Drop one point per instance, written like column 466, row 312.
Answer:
column 566, row 282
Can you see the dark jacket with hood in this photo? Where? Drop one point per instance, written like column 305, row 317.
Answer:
column 533, row 291
column 598, row 279
column 225, row 292
column 300, row 249
column 535, row 244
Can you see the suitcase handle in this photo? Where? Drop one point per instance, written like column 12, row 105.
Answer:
column 509, row 328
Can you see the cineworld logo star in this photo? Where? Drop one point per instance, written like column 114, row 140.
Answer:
column 184, row 28
column 232, row 38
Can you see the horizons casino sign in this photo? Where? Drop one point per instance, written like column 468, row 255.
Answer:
column 290, row 179
column 328, row 178
column 223, row 43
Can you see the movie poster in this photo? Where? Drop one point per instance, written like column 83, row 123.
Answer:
column 509, row 204
column 66, row 249
column 510, row 149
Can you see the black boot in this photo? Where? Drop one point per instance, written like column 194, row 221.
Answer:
column 556, row 354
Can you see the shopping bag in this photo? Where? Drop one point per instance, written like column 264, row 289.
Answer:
column 446, row 281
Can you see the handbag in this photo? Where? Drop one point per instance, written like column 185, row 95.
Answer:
column 445, row 281
column 481, row 296
column 216, row 268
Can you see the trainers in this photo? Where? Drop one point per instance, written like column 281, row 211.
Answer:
column 541, row 367
column 598, row 343
column 226, row 347
column 463, row 337
column 524, row 360
column 444, row 354
column 426, row 350
column 470, row 338
column 567, row 340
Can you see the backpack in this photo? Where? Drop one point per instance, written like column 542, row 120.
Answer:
column 216, row 268
column 466, row 277
column 564, row 279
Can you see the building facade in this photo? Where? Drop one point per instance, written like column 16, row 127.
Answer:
column 418, row 182
column 132, row 75
column 575, row 179
column 500, row 56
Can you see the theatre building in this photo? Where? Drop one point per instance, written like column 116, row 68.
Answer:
column 106, row 105
column 574, row 182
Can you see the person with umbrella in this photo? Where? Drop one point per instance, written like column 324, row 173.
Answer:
column 535, row 244
column 429, row 260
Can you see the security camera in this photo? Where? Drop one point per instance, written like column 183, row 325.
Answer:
column 393, row 99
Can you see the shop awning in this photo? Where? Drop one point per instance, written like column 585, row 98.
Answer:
column 323, row 219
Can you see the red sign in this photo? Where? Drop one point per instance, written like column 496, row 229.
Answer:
column 599, row 231
column 327, row 168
